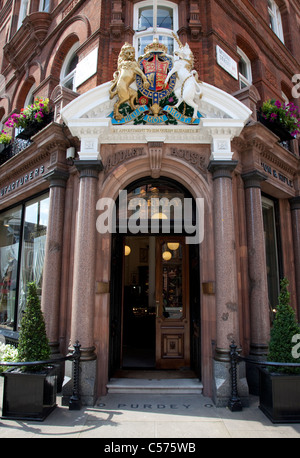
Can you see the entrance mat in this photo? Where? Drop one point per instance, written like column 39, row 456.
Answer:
column 155, row 374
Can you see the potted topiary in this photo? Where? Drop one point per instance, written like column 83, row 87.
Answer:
column 30, row 391
column 279, row 390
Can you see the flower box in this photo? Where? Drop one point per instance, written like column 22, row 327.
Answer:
column 277, row 128
column 29, row 395
column 279, row 396
column 34, row 127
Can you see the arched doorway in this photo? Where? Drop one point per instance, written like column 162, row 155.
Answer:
column 155, row 292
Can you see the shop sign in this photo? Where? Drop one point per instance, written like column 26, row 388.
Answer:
column 21, row 181
column 275, row 174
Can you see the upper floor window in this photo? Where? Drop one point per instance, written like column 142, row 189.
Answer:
column 44, row 6
column 155, row 20
column 23, row 12
column 68, row 71
column 275, row 19
column 245, row 73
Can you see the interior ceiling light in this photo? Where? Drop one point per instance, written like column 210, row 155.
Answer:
column 127, row 250
column 159, row 215
column 173, row 246
column 166, row 255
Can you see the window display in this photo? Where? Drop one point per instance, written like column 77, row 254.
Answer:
column 22, row 251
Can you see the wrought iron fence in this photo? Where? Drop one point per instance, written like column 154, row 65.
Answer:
column 234, row 403
column 75, row 398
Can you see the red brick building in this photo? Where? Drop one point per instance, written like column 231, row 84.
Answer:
column 142, row 309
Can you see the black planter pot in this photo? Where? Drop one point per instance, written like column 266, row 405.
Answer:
column 277, row 128
column 35, row 127
column 29, row 395
column 279, row 396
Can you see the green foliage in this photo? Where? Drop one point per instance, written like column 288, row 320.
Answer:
column 8, row 353
column 33, row 341
column 285, row 326
column 287, row 114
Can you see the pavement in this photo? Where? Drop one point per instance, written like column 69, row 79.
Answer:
column 150, row 416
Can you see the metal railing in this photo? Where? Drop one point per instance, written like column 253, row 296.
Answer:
column 75, row 399
column 235, row 403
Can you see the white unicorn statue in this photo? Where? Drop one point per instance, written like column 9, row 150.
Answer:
column 189, row 88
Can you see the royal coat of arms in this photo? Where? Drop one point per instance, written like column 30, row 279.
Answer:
column 167, row 86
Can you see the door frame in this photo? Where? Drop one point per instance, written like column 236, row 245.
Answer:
column 172, row 334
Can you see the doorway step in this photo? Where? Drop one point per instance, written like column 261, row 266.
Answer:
column 156, row 385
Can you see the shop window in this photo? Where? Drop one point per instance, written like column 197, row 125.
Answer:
column 275, row 19
column 245, row 72
column 22, row 251
column 68, row 71
column 271, row 245
column 23, row 12
column 155, row 20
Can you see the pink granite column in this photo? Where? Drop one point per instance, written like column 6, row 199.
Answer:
column 83, row 300
column 257, row 266
column 82, row 326
column 227, row 310
column 225, row 259
column 51, row 288
column 295, row 210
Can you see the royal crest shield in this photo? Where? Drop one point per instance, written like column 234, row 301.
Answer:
column 155, row 64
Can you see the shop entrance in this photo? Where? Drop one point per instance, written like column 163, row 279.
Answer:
column 155, row 297
column 155, row 306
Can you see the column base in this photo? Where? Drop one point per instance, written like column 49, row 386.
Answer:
column 222, row 383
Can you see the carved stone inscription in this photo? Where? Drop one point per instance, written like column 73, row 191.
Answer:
column 192, row 157
column 122, row 156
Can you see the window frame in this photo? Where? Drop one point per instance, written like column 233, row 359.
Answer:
column 269, row 203
column 23, row 12
column 64, row 79
column 275, row 19
column 23, row 205
column 43, row 7
column 247, row 81
column 154, row 31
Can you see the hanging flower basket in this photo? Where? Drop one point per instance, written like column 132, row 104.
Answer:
column 282, row 119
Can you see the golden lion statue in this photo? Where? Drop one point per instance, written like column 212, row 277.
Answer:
column 124, row 77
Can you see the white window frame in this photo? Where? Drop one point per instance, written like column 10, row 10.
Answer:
column 247, row 80
column 275, row 15
column 155, row 31
column 24, row 7
column 63, row 77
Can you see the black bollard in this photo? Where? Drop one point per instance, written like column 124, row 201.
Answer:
column 234, row 403
column 75, row 401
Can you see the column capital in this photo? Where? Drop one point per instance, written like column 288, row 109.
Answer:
column 57, row 178
column 253, row 179
column 222, row 169
column 295, row 203
column 88, row 169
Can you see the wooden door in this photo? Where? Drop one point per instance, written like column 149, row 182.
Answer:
column 172, row 303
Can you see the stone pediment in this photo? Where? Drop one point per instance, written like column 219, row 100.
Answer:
column 89, row 117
